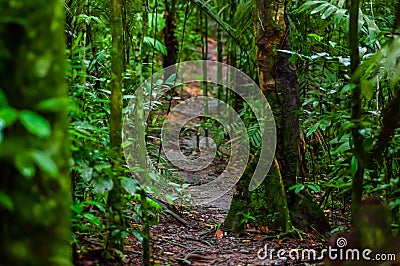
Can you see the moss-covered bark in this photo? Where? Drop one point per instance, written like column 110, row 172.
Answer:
column 34, row 207
column 270, row 202
column 266, row 204
column 115, row 239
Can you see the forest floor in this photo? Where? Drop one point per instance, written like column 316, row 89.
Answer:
column 196, row 237
column 200, row 241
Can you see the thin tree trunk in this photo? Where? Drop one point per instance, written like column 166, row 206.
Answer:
column 170, row 40
column 115, row 241
column 358, row 150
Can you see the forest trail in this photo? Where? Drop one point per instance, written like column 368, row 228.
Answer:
column 198, row 239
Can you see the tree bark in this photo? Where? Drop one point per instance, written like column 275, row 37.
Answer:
column 115, row 241
column 170, row 40
column 35, row 198
column 278, row 82
column 358, row 150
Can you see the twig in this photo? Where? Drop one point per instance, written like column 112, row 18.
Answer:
column 177, row 217
column 173, row 214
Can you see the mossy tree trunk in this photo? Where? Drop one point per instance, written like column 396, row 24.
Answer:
column 272, row 204
column 34, row 194
column 266, row 204
column 115, row 239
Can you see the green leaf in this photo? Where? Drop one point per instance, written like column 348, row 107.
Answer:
column 348, row 87
column 6, row 201
column 299, row 188
column 329, row 75
column 45, row 163
column 35, row 123
column 328, row 12
column 307, row 5
column 138, row 236
column 9, row 115
column 171, row 79
column 367, row 89
column 95, row 203
column 320, row 8
column 315, row 36
column 102, row 185
column 340, row 13
column 53, row 104
column 93, row 219
column 342, row 148
column 353, row 166
column 155, row 44
column 394, row 204
column 314, row 187
column 86, row 173
column 129, row 184
column 23, row 162
column 312, row 129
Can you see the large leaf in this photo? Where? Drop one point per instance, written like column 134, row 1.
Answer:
column 367, row 89
column 102, row 185
column 86, row 173
column 45, row 163
column 53, row 104
column 129, row 184
column 35, row 123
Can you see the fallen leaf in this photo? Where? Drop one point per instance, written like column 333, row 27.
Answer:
column 263, row 228
column 219, row 234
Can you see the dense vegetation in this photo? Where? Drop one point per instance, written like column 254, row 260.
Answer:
column 334, row 69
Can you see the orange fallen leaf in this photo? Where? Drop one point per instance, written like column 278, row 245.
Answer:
column 219, row 234
column 263, row 228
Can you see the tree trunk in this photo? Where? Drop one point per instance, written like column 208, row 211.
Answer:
column 358, row 150
column 115, row 239
column 278, row 82
column 170, row 40
column 34, row 194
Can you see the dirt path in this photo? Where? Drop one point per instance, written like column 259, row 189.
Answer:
column 175, row 244
column 200, row 241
